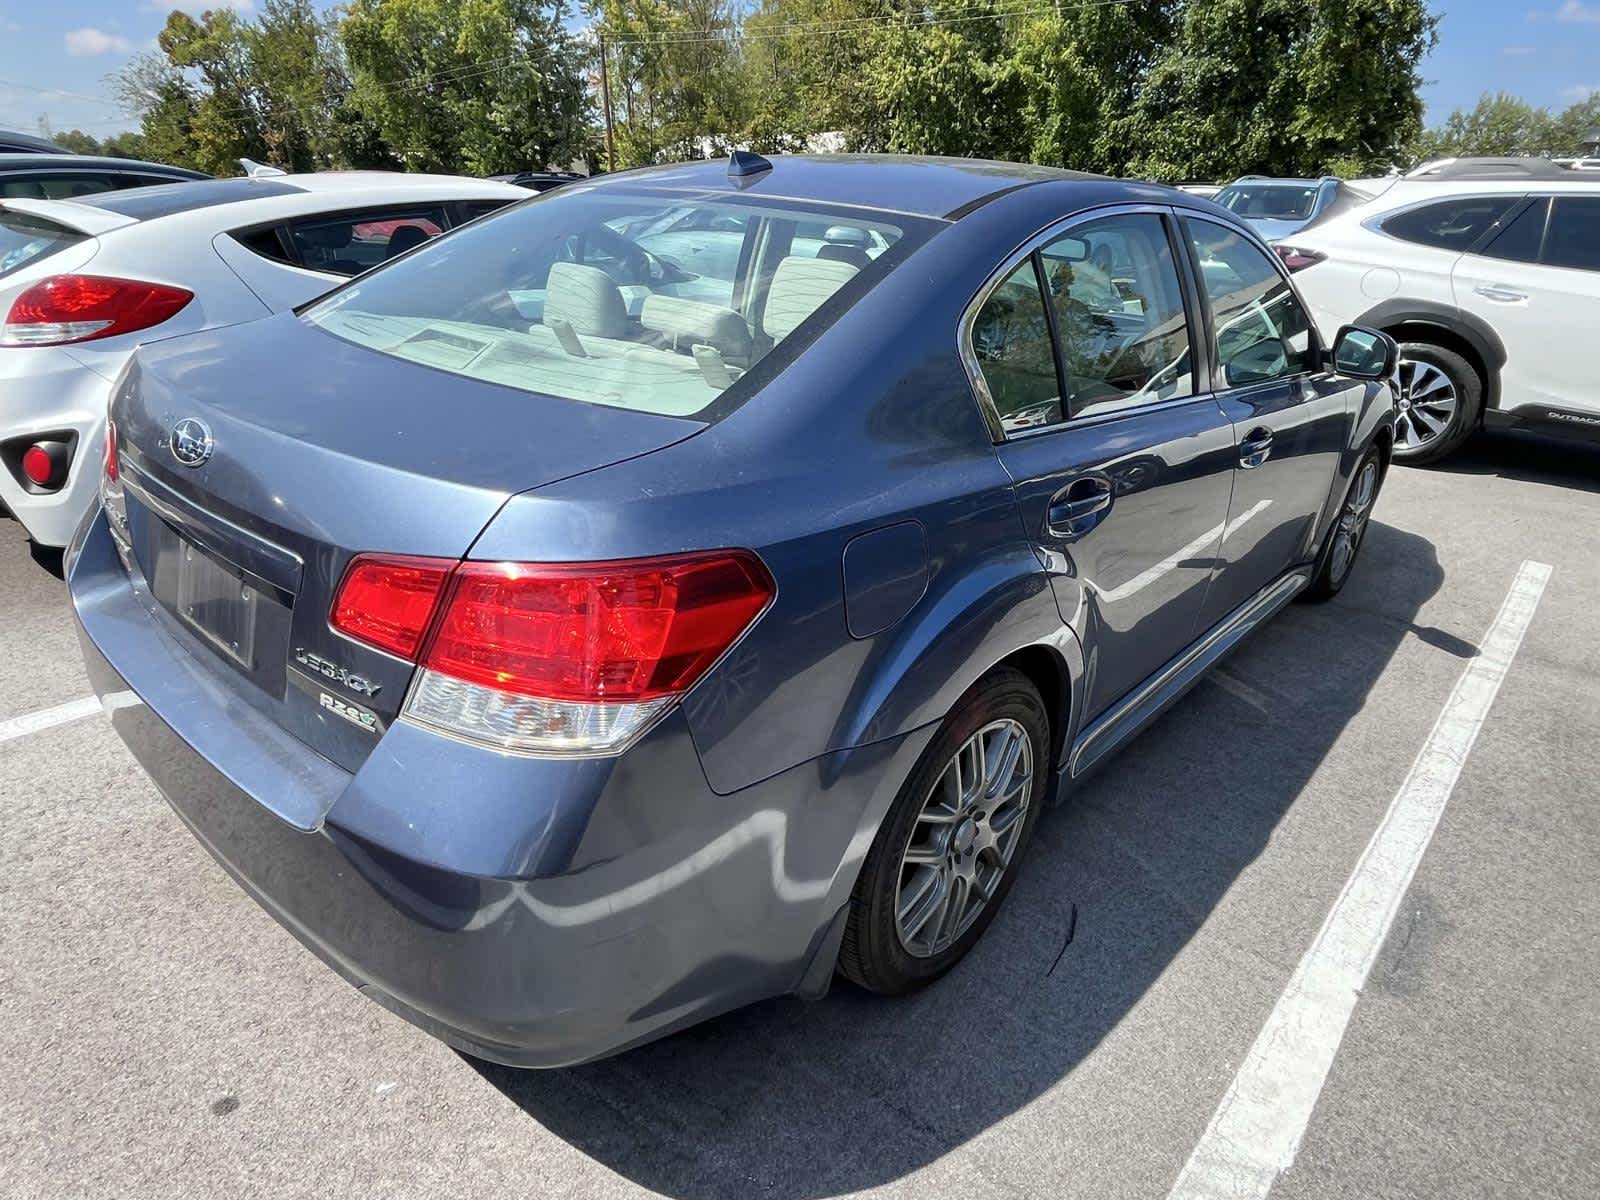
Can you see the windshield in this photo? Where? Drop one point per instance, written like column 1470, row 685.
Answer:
column 640, row 300
column 1270, row 201
column 25, row 239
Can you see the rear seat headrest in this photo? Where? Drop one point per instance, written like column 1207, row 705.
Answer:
column 799, row 287
column 691, row 322
column 586, row 299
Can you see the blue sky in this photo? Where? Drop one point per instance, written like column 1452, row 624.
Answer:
column 55, row 54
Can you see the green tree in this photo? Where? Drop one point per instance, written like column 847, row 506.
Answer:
column 1499, row 124
column 480, row 86
column 1281, row 87
column 77, row 141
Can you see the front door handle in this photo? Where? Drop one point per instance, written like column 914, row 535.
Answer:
column 1256, row 448
column 1500, row 295
column 1077, row 508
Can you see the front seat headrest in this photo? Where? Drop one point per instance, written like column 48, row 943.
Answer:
column 586, row 299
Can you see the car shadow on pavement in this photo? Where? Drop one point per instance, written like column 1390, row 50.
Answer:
column 1529, row 458
column 798, row 1101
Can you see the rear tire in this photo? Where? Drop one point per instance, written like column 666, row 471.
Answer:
column 1440, row 398
column 1348, row 532
column 949, row 848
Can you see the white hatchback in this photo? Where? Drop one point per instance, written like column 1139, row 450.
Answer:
column 83, row 282
column 1491, row 285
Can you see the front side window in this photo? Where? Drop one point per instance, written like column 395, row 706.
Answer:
column 355, row 242
column 1573, row 239
column 1262, row 331
column 1449, row 224
column 633, row 299
column 1119, row 314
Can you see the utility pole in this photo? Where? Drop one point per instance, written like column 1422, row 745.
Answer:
column 605, row 102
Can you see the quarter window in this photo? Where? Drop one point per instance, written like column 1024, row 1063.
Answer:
column 355, row 242
column 1520, row 240
column 1262, row 331
column 1011, row 341
column 1573, row 239
column 1119, row 314
column 1449, row 224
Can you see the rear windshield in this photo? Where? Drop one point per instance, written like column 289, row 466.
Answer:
column 25, row 239
column 1269, row 201
column 146, row 204
column 666, row 303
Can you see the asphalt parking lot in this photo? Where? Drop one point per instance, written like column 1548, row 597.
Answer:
column 161, row 1036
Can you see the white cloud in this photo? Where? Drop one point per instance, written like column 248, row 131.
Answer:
column 1518, row 51
column 1576, row 10
column 1581, row 92
column 81, row 42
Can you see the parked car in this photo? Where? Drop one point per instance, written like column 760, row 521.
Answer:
column 85, row 281
column 538, row 181
column 42, row 176
column 562, row 683
column 1277, row 208
column 12, row 142
column 1490, row 282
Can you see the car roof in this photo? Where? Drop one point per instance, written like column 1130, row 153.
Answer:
column 33, row 162
column 361, row 187
column 12, row 137
column 910, row 184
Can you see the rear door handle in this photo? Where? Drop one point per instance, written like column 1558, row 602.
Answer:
column 1256, row 448
column 1076, row 508
column 1500, row 295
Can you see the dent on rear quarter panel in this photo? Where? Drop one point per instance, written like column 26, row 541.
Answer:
column 872, row 426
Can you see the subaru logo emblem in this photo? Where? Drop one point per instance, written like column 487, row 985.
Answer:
column 190, row 442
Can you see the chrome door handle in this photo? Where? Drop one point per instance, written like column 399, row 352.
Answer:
column 1500, row 295
column 1076, row 508
column 1256, row 448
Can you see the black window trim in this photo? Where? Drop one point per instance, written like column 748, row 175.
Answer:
column 1029, row 249
column 1219, row 386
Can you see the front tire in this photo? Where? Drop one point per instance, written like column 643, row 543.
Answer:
column 948, row 850
column 1439, row 396
column 1349, row 530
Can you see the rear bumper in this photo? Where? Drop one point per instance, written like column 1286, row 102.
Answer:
column 45, row 390
column 527, row 911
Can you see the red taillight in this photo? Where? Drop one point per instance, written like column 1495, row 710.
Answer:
column 45, row 464
column 596, row 632
column 388, row 602
column 111, row 451
column 1297, row 259
column 82, row 308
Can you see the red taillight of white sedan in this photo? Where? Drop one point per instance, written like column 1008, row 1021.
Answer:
column 66, row 309
column 551, row 658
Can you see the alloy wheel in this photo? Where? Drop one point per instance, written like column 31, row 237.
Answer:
column 1426, row 399
column 964, row 838
column 1351, row 525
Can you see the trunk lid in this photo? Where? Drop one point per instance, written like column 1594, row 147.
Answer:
column 320, row 450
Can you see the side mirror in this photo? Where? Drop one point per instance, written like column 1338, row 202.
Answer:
column 1364, row 353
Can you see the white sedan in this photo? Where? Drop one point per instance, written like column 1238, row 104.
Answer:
column 84, row 282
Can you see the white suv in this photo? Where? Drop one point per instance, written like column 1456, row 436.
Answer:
column 1488, row 275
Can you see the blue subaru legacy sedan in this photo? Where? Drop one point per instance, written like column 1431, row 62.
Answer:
column 683, row 586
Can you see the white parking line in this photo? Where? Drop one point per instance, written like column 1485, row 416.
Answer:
column 1255, row 1133
column 45, row 718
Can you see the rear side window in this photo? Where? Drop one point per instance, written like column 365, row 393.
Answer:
column 265, row 242
column 56, row 186
column 25, row 239
column 1573, row 239
column 1011, row 341
column 632, row 299
column 1262, row 331
column 1119, row 314
column 1449, row 224
column 355, row 242
column 1521, row 240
